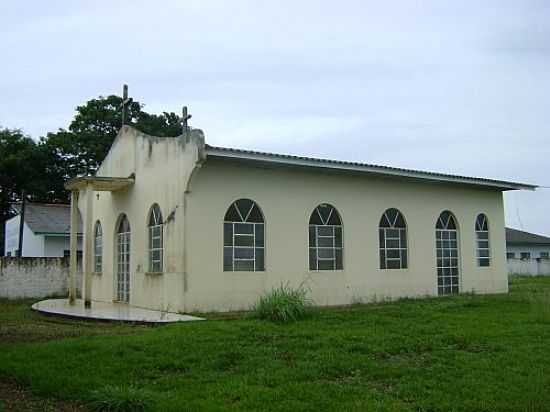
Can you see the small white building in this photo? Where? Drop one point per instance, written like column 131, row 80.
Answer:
column 45, row 233
column 525, row 245
column 527, row 253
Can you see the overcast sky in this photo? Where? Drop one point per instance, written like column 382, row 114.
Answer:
column 459, row 87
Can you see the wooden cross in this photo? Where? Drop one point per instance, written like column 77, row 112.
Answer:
column 184, row 118
column 125, row 103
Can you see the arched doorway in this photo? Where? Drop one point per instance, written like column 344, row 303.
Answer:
column 123, row 260
column 448, row 258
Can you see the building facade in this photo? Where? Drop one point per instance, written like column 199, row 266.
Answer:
column 527, row 253
column 46, row 231
column 176, row 225
column 525, row 245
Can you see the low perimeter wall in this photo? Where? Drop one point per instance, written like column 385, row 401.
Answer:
column 533, row 267
column 35, row 277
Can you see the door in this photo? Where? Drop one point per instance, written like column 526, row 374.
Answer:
column 446, row 239
column 123, row 261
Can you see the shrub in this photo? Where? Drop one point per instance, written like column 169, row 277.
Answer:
column 119, row 399
column 284, row 304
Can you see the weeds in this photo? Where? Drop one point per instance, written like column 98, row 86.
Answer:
column 284, row 304
column 120, row 399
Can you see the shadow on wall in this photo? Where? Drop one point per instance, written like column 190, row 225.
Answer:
column 36, row 277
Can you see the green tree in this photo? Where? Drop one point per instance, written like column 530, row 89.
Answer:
column 21, row 167
column 81, row 149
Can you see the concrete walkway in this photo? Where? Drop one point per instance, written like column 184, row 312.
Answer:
column 109, row 311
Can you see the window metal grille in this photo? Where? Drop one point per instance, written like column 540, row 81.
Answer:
column 446, row 238
column 393, row 240
column 325, row 239
column 123, row 261
column 156, row 246
column 244, row 238
column 483, row 252
column 98, row 248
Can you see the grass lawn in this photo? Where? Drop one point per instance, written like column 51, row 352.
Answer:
column 464, row 353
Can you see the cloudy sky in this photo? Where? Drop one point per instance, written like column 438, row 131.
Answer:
column 459, row 87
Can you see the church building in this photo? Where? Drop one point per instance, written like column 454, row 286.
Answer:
column 177, row 225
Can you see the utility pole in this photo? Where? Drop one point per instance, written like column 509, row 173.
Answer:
column 21, row 223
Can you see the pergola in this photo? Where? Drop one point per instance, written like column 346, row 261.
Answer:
column 88, row 185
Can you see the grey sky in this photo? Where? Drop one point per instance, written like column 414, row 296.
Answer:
column 459, row 87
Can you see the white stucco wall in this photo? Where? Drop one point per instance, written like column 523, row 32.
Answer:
column 533, row 249
column 33, row 245
column 529, row 267
column 288, row 196
column 162, row 167
column 35, row 277
column 55, row 246
column 193, row 279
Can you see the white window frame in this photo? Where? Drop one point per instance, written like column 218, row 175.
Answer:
column 244, row 216
column 316, row 248
column 123, row 256
column 479, row 240
column 403, row 260
column 98, row 248
column 156, row 234
column 446, row 254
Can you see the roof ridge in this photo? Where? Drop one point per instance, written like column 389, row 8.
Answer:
column 373, row 166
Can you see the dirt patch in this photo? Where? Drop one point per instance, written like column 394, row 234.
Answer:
column 14, row 397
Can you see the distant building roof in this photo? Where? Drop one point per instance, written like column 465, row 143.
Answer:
column 48, row 218
column 300, row 161
column 514, row 236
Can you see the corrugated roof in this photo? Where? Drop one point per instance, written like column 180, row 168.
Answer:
column 44, row 218
column 521, row 237
column 291, row 160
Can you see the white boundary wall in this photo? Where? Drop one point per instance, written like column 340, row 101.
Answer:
column 37, row 277
column 532, row 267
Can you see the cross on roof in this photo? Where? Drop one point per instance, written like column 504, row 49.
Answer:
column 184, row 118
column 126, row 101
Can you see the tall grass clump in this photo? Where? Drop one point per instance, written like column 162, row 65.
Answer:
column 284, row 304
column 119, row 399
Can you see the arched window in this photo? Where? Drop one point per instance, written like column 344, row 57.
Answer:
column 325, row 239
column 243, row 237
column 155, row 240
column 482, row 241
column 446, row 239
column 393, row 240
column 98, row 248
column 123, row 259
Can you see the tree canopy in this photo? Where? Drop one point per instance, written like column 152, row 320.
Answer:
column 42, row 167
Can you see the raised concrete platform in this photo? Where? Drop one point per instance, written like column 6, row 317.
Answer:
column 109, row 312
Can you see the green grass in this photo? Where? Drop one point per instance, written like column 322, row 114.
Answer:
column 18, row 324
column 465, row 353
column 119, row 399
